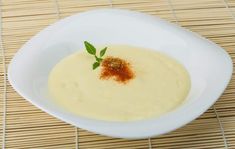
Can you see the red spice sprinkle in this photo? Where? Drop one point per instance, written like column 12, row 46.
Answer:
column 116, row 68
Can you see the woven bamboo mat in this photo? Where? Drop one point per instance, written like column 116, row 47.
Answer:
column 24, row 126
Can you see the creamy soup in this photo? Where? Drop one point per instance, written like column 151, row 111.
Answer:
column 156, row 85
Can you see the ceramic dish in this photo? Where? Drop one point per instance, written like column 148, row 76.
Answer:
column 209, row 66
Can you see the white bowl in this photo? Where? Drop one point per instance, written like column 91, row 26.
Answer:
column 209, row 66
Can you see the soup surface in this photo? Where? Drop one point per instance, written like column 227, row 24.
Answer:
column 157, row 84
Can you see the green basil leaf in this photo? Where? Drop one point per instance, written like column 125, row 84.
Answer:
column 95, row 65
column 102, row 52
column 90, row 48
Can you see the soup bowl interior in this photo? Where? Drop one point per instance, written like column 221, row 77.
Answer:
column 209, row 66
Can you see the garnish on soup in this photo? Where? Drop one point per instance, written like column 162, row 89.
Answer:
column 92, row 50
column 112, row 67
column 119, row 69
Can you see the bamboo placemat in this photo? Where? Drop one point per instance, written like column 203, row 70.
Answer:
column 25, row 126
